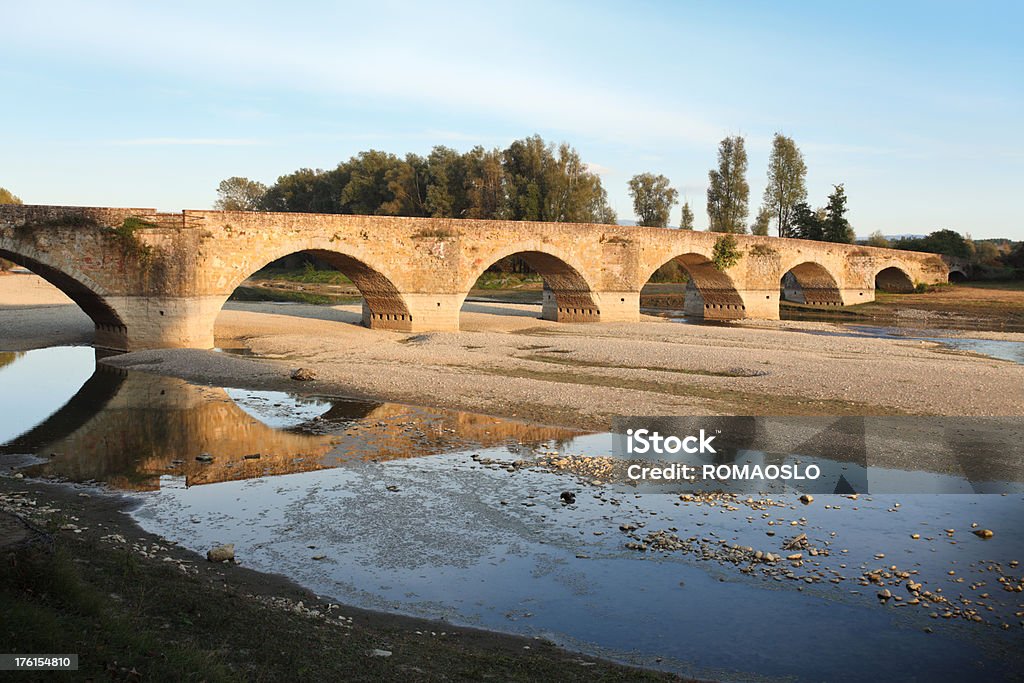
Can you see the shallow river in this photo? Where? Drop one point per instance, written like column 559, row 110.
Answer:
column 456, row 516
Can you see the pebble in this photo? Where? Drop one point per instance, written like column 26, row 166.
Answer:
column 221, row 553
column 304, row 375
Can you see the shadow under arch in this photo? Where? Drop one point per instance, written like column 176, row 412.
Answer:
column 567, row 296
column 710, row 293
column 383, row 305
column 111, row 331
column 894, row 279
column 810, row 283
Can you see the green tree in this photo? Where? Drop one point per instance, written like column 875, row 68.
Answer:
column 239, row 194
column 447, row 188
column 486, row 190
column 531, row 180
column 408, row 182
column 726, row 253
column 761, row 223
column 686, row 219
column 574, row 193
column 653, row 199
column 545, row 183
column 525, row 164
column 787, row 187
column 308, row 191
column 6, row 197
column 948, row 242
column 728, row 191
column 807, row 223
column 877, row 239
column 1015, row 259
column 986, row 254
column 835, row 226
column 368, row 191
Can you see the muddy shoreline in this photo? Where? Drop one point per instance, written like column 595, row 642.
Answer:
column 85, row 520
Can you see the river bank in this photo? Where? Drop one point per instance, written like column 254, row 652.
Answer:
column 136, row 606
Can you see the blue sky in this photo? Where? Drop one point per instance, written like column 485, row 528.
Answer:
column 916, row 106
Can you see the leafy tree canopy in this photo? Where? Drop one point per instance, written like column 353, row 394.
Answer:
column 530, row 180
column 728, row 191
column 786, row 183
column 948, row 242
column 239, row 194
column 653, row 199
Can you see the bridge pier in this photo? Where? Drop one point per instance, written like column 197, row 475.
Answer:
column 853, row 296
column 619, row 307
column 721, row 304
column 162, row 323
column 762, row 304
column 420, row 313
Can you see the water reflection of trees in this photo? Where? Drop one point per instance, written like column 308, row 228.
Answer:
column 8, row 357
column 129, row 429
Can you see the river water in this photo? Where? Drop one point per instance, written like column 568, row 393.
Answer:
column 458, row 517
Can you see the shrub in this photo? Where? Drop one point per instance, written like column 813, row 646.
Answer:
column 726, row 252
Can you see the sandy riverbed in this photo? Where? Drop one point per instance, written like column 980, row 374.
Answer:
column 507, row 362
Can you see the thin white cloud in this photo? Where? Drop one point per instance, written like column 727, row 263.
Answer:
column 194, row 142
column 355, row 66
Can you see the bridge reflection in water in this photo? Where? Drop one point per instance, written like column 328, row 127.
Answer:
column 130, row 429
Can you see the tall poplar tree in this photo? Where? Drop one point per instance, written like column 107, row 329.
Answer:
column 686, row 219
column 787, row 186
column 728, row 191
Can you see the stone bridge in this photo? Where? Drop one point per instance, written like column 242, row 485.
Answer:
column 155, row 280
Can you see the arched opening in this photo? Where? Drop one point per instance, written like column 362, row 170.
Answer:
column 957, row 276
column 519, row 283
column 809, row 283
column 111, row 331
column 690, row 284
column 328, row 285
column 895, row 280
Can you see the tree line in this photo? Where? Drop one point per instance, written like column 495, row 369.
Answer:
column 538, row 181
column 994, row 258
column 530, row 180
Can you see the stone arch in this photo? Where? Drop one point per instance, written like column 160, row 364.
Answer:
column 568, row 295
column 957, row 275
column 710, row 293
column 384, row 306
column 810, row 283
column 894, row 279
column 111, row 330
